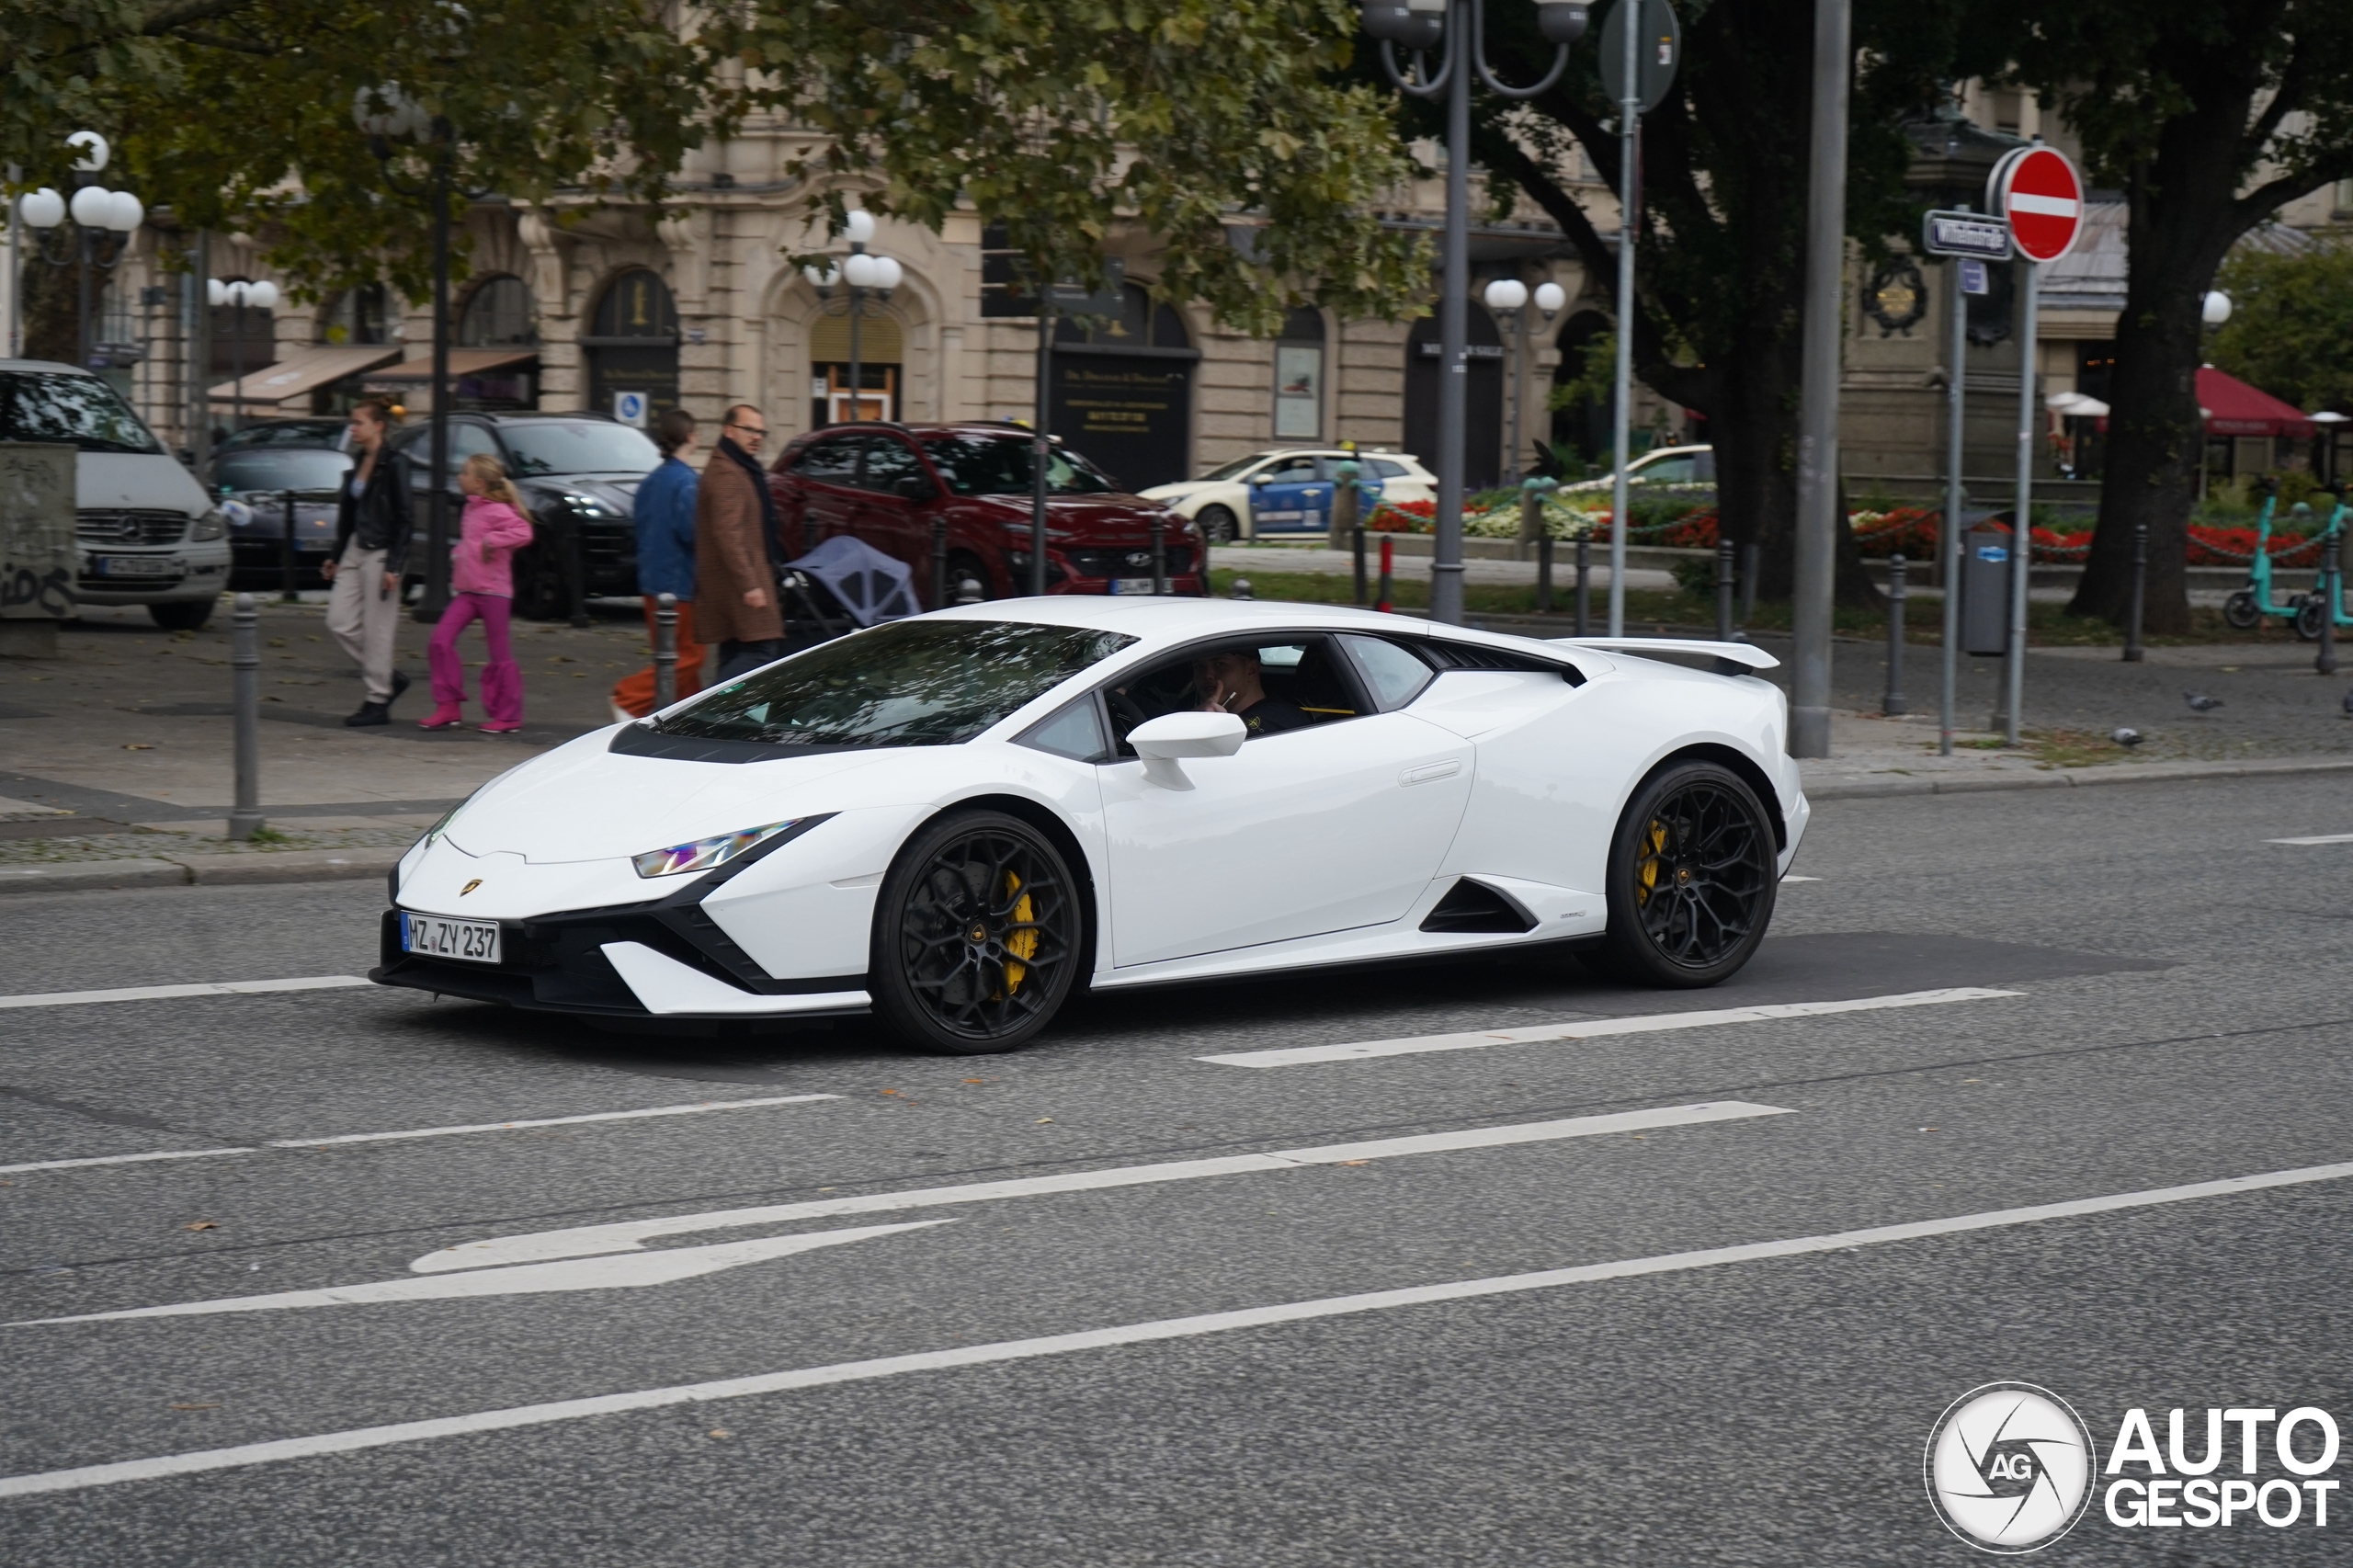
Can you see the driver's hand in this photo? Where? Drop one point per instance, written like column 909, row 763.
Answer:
column 1216, row 703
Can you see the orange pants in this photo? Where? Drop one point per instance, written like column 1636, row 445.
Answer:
column 635, row 694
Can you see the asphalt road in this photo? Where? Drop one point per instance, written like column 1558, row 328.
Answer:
column 2173, row 1012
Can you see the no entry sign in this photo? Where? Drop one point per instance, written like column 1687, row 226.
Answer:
column 2042, row 196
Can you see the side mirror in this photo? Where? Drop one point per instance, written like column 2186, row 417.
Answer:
column 913, row 487
column 1161, row 740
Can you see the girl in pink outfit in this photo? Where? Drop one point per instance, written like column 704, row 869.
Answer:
column 481, row 582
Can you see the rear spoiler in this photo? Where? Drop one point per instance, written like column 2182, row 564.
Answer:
column 1730, row 658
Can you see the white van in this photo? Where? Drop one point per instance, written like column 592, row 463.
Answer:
column 146, row 533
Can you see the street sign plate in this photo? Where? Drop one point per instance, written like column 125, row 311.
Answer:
column 1966, row 233
column 1657, row 53
column 2038, row 189
column 1975, row 278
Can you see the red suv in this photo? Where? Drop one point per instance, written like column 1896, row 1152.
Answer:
column 887, row 483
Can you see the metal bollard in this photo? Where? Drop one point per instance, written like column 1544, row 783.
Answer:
column 2331, row 598
column 1893, row 702
column 1584, row 585
column 1242, row 588
column 1387, row 564
column 1159, row 557
column 1358, row 540
column 970, row 592
column 1724, row 590
column 940, row 562
column 666, row 650
column 244, row 666
column 1544, row 574
column 1748, row 581
column 2140, row 580
column 286, row 585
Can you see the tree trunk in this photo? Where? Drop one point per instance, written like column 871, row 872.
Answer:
column 1755, row 431
column 2156, row 442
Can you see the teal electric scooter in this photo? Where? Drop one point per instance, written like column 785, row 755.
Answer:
column 2316, row 604
column 2246, row 609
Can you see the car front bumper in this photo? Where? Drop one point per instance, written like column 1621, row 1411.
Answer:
column 181, row 572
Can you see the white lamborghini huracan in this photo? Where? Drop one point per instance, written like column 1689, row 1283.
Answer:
column 954, row 820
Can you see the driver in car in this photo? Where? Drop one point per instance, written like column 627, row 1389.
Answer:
column 1231, row 682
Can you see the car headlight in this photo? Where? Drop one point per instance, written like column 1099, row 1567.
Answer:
column 210, row 525
column 589, row 507
column 705, row 853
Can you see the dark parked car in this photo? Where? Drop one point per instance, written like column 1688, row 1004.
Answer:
column 258, row 484
column 332, row 434
column 578, row 473
column 887, row 484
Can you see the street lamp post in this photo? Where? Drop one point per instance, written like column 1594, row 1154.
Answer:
column 865, row 274
column 1460, row 24
column 386, row 114
column 1507, row 299
column 100, row 215
column 262, row 296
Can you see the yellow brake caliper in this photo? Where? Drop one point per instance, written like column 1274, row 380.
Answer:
column 1022, row 944
column 1646, row 873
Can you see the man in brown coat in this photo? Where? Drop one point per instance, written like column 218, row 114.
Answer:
column 736, row 550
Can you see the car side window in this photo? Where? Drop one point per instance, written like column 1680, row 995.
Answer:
column 1395, row 676
column 1076, row 731
column 1383, row 469
column 889, row 461
column 830, row 462
column 1672, row 471
column 1296, row 471
column 1274, row 684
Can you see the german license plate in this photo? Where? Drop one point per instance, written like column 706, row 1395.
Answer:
column 138, row 566
column 438, row 936
column 1131, row 585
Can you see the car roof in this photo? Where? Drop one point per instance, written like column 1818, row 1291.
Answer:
column 43, row 365
column 1165, row 620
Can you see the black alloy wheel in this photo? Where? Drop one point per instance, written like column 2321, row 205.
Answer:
column 1217, row 524
column 1692, row 878
column 976, row 936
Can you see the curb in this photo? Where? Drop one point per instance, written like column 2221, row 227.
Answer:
column 2157, row 773
column 205, row 871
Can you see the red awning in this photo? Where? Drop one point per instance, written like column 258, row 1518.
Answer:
column 2234, row 408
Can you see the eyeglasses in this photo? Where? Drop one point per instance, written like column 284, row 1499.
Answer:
column 748, row 429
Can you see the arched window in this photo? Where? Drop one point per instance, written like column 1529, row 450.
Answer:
column 1141, row 324
column 499, row 313
column 361, row 315
column 1299, row 377
column 636, row 304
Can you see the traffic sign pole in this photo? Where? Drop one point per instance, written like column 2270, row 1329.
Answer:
column 2022, row 530
column 1954, row 439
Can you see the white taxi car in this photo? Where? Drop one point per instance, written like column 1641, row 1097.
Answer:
column 1287, row 490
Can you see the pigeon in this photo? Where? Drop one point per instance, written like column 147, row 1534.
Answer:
column 2127, row 737
column 2200, row 702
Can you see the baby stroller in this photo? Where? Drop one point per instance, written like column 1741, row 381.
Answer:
column 841, row 586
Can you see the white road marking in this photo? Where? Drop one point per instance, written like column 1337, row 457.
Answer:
column 1593, row 1029
column 84, row 1477
column 2316, row 838
column 121, row 1159
column 162, row 992
column 628, row 1235
column 614, row 1273
column 695, row 1110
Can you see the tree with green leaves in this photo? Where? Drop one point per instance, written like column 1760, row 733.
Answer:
column 1721, row 256
column 2210, row 116
column 1219, row 127
column 2290, row 330
column 237, row 114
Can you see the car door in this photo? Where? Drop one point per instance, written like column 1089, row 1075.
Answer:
column 826, row 475
column 1337, row 825
column 886, row 518
column 1284, row 498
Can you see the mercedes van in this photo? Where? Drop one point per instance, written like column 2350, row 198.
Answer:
column 145, row 532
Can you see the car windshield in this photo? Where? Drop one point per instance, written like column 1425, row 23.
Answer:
column 586, row 446
column 1235, row 469
column 911, row 683
column 59, row 406
column 999, row 465
column 287, row 433
column 280, row 468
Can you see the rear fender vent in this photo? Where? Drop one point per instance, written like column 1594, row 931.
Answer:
column 1474, row 907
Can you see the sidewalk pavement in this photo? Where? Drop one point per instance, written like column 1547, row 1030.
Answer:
column 116, row 771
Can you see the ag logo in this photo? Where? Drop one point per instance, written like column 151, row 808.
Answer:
column 2010, row 1468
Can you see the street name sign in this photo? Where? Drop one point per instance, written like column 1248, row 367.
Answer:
column 1966, row 233
column 2038, row 189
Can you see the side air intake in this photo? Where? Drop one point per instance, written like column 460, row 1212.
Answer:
column 1474, row 906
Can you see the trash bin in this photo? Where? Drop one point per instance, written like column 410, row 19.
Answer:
column 1985, row 587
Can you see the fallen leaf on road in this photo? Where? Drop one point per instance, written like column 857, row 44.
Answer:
column 137, row 745
column 1044, row 1119
column 1355, row 1162
column 890, row 1091
column 976, row 1080
column 722, row 1432
column 204, row 1225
